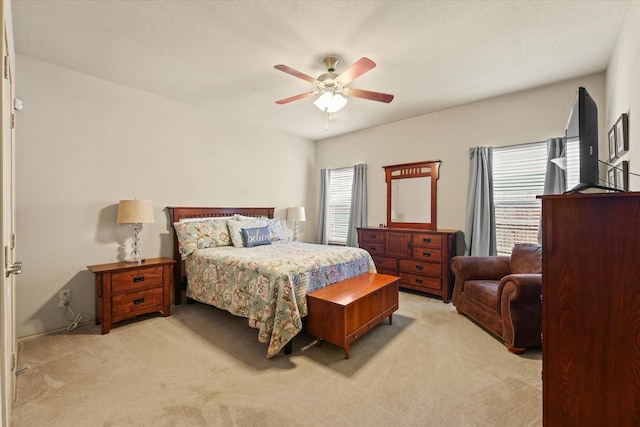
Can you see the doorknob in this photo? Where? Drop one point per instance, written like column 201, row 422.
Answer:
column 14, row 268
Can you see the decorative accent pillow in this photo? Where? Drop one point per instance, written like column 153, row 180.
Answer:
column 275, row 229
column 235, row 229
column 194, row 235
column 256, row 236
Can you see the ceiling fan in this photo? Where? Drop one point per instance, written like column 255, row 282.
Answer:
column 332, row 87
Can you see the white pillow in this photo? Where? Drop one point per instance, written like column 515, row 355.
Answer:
column 275, row 229
column 235, row 229
column 204, row 219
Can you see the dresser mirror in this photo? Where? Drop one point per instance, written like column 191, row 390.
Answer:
column 411, row 194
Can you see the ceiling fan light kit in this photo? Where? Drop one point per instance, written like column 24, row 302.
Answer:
column 330, row 102
column 332, row 88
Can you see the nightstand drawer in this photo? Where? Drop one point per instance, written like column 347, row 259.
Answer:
column 132, row 303
column 139, row 278
column 126, row 290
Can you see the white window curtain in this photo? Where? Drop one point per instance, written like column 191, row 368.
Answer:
column 480, row 224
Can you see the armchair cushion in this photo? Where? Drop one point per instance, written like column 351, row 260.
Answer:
column 526, row 258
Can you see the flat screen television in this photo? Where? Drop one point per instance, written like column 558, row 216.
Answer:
column 582, row 144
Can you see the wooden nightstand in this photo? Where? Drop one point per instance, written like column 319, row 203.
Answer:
column 125, row 290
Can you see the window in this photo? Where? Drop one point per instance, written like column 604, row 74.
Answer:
column 339, row 206
column 518, row 177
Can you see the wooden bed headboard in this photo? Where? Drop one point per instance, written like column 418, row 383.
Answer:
column 182, row 212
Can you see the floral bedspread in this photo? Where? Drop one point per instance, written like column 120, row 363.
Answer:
column 268, row 284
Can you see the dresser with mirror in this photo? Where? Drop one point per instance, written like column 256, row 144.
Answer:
column 411, row 246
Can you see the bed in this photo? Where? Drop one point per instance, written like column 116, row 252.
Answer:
column 264, row 279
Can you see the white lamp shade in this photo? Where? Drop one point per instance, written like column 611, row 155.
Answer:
column 296, row 214
column 135, row 212
column 331, row 102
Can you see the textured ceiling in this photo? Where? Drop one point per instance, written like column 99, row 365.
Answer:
column 219, row 55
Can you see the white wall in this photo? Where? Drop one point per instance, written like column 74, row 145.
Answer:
column 529, row 116
column 623, row 88
column 84, row 143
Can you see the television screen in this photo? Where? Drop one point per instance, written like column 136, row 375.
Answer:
column 582, row 144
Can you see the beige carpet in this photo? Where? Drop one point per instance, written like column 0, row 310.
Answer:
column 204, row 367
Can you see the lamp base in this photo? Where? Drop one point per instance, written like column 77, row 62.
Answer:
column 137, row 261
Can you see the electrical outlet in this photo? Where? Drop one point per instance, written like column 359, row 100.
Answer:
column 65, row 298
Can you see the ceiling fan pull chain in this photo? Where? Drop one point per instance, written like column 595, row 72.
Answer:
column 326, row 119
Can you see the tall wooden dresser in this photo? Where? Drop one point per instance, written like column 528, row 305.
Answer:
column 420, row 257
column 591, row 309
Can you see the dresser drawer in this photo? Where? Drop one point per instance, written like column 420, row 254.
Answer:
column 372, row 236
column 415, row 281
column 139, row 278
column 385, row 263
column 373, row 248
column 420, row 267
column 427, row 254
column 427, row 240
column 132, row 303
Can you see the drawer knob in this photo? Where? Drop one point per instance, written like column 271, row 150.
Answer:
column 372, row 249
column 418, row 280
column 419, row 267
column 138, row 279
column 426, row 254
column 372, row 236
column 138, row 300
column 426, row 240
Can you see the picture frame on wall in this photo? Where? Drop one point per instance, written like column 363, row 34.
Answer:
column 622, row 176
column 622, row 135
column 611, row 178
column 612, row 144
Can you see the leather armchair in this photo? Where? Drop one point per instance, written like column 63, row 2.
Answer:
column 503, row 294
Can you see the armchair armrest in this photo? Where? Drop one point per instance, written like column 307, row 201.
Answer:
column 480, row 267
column 477, row 268
column 520, row 287
column 521, row 309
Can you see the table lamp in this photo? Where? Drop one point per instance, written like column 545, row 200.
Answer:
column 135, row 213
column 295, row 214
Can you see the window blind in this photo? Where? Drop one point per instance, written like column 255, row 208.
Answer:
column 518, row 177
column 340, row 184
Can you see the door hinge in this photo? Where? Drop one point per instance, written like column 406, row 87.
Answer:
column 13, row 362
column 13, row 240
column 6, row 67
column 6, row 257
column 13, row 120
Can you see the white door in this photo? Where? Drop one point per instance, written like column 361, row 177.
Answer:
column 10, row 266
